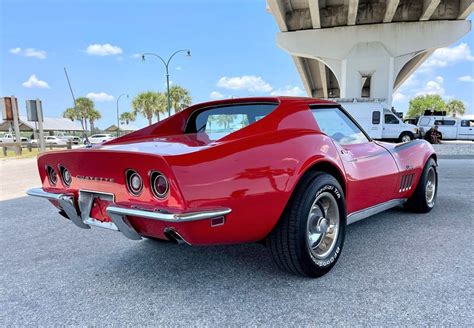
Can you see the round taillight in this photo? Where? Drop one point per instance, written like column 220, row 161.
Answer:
column 159, row 185
column 134, row 182
column 65, row 175
column 52, row 175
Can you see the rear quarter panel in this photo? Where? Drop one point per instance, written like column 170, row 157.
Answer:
column 254, row 177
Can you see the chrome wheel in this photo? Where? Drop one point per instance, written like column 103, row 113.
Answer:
column 430, row 190
column 323, row 225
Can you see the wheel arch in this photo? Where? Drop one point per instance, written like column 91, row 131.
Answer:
column 322, row 165
column 326, row 167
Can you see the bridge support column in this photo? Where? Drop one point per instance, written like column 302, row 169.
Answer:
column 373, row 60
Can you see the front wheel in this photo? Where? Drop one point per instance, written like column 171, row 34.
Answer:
column 309, row 237
column 424, row 196
column 406, row 137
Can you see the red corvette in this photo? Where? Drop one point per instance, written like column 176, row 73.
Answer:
column 290, row 172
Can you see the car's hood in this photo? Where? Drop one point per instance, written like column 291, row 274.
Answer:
column 169, row 145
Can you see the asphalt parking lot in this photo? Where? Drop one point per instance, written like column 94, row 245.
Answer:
column 396, row 268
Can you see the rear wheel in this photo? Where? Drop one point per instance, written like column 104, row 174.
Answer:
column 309, row 237
column 424, row 197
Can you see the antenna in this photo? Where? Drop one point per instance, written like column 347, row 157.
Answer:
column 84, row 134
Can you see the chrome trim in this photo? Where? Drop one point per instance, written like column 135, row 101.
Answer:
column 166, row 217
column 369, row 211
column 118, row 214
column 170, row 232
column 66, row 201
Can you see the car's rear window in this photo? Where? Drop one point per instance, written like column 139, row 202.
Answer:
column 228, row 118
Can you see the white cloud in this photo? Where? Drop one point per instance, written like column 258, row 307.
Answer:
column 216, row 95
column 448, row 56
column 288, row 91
column 433, row 87
column 466, row 78
column 250, row 83
column 136, row 56
column 398, row 96
column 179, row 68
column 100, row 97
column 103, row 50
column 29, row 52
column 34, row 82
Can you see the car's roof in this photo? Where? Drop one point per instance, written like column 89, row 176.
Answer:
column 277, row 99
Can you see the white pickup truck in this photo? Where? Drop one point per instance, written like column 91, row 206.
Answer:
column 378, row 121
column 8, row 138
column 451, row 128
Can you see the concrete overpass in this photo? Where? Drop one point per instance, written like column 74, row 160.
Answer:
column 365, row 48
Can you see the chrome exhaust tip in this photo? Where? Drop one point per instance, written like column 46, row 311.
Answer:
column 174, row 236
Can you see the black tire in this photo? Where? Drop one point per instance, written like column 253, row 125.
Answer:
column 288, row 242
column 418, row 202
column 404, row 137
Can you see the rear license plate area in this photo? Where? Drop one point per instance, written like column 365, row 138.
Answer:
column 93, row 206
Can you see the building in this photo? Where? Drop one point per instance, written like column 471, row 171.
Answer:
column 51, row 125
column 124, row 129
column 365, row 48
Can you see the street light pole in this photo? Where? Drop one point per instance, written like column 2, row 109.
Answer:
column 167, row 63
column 118, row 116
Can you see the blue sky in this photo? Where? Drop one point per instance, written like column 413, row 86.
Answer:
column 232, row 44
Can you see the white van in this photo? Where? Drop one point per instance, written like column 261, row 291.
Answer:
column 378, row 121
column 451, row 128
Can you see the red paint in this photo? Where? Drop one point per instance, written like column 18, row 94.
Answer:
column 253, row 171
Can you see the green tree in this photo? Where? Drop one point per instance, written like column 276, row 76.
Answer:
column 148, row 104
column 127, row 117
column 180, row 98
column 455, row 107
column 84, row 111
column 71, row 113
column 420, row 104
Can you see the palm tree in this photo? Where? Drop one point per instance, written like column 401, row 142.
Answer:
column 84, row 107
column 455, row 107
column 84, row 111
column 147, row 104
column 93, row 116
column 71, row 113
column 127, row 117
column 180, row 98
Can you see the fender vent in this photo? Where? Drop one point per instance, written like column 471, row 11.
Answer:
column 407, row 182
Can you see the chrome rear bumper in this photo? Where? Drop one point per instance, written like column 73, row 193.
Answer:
column 119, row 213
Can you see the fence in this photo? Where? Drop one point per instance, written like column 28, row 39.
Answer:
column 18, row 148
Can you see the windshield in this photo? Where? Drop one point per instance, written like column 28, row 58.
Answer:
column 226, row 119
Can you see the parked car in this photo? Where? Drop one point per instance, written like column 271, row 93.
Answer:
column 73, row 139
column 379, row 122
column 99, row 138
column 450, row 128
column 8, row 137
column 289, row 172
column 53, row 140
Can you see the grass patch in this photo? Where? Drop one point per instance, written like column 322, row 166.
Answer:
column 24, row 154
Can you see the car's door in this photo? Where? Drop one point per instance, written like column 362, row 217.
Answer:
column 447, row 128
column 466, row 130
column 371, row 171
column 391, row 126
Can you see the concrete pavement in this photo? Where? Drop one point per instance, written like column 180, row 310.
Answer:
column 396, row 268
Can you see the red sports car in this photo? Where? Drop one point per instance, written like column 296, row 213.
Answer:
column 289, row 172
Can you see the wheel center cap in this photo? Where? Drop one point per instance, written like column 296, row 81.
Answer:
column 323, row 225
